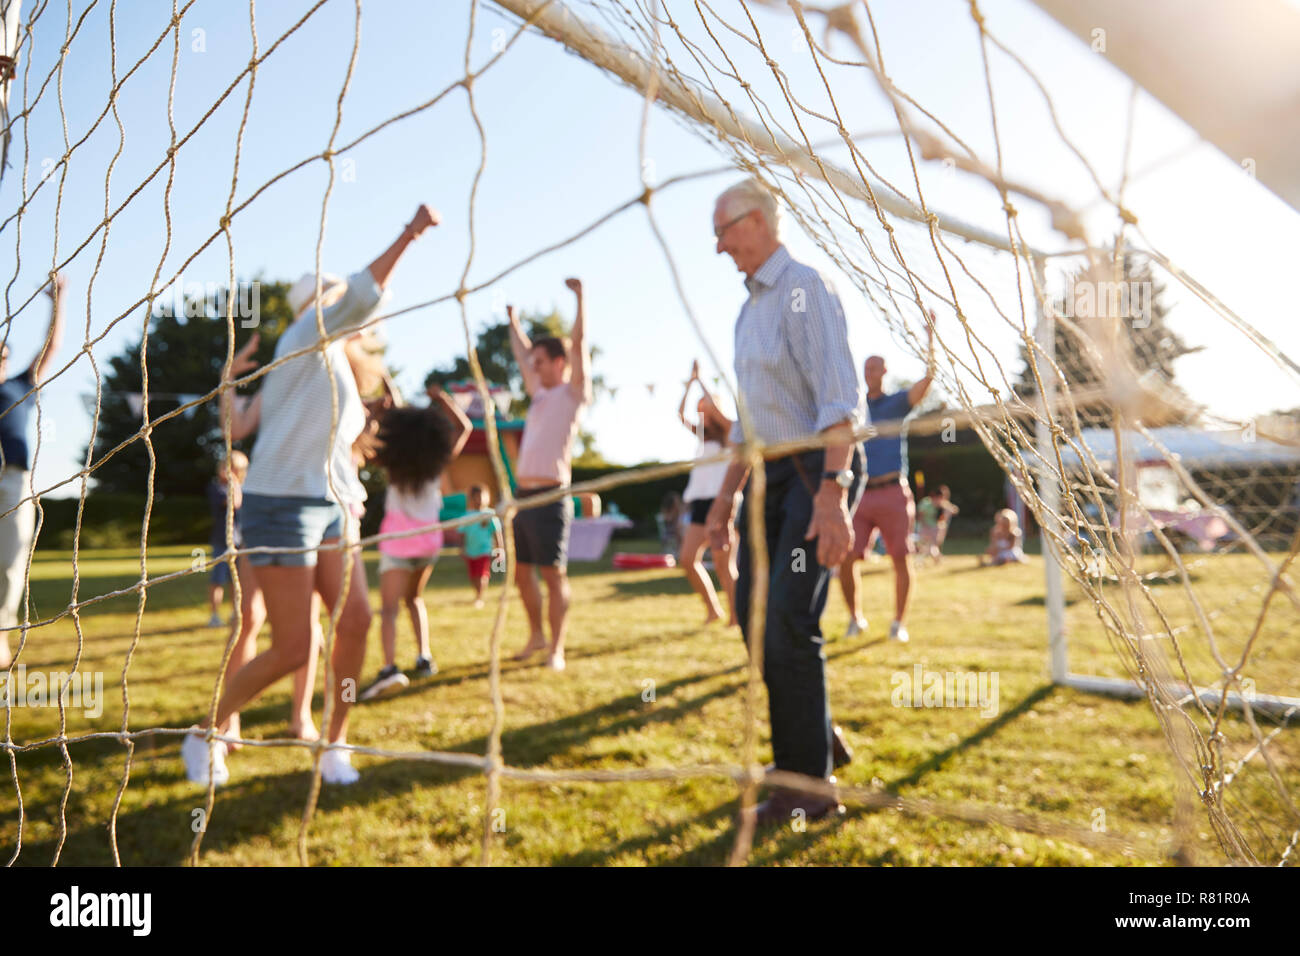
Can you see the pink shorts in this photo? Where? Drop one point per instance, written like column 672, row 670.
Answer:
column 889, row 509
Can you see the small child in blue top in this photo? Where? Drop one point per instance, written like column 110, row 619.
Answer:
column 482, row 539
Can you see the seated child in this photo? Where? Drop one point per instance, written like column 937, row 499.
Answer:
column 1004, row 540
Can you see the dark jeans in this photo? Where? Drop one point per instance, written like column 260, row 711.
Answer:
column 794, row 664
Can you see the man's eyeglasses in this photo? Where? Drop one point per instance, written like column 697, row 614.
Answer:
column 717, row 233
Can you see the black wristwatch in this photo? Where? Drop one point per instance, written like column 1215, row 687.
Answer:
column 842, row 478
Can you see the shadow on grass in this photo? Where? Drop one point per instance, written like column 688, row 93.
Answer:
column 253, row 807
column 160, row 834
column 937, row 761
column 535, row 744
column 711, row 852
column 458, row 674
column 1041, row 601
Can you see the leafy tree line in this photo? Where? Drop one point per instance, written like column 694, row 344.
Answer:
column 185, row 355
column 186, row 351
column 1153, row 346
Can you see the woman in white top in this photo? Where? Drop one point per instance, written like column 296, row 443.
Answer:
column 245, row 417
column 292, row 509
column 712, row 428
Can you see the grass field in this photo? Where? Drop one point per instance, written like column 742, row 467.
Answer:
column 1056, row 754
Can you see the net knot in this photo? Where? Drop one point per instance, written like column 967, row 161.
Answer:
column 644, row 198
column 328, row 155
column 225, row 223
column 976, row 14
column 1127, row 216
column 1010, row 210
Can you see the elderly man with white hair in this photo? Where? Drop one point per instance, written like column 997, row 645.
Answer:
column 798, row 379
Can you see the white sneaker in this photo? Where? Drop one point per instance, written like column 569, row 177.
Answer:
column 555, row 661
column 336, row 767
column 856, row 626
column 194, row 751
column 897, row 632
column 215, row 620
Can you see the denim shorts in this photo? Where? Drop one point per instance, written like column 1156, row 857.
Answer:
column 220, row 575
column 272, row 521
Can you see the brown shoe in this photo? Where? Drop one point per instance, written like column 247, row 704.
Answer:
column 781, row 807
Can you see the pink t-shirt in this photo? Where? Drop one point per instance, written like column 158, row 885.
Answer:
column 549, row 433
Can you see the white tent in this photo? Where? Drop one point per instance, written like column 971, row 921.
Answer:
column 1193, row 447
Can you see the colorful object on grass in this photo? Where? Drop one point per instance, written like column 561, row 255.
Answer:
column 635, row 562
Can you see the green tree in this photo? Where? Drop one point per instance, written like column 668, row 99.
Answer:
column 1152, row 345
column 186, row 353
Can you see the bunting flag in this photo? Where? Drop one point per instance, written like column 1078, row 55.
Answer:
column 135, row 401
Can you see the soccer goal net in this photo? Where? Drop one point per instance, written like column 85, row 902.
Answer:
column 1124, row 397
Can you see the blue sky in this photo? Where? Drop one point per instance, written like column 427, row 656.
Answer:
column 562, row 151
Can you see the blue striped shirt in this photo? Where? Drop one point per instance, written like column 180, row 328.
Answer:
column 796, row 372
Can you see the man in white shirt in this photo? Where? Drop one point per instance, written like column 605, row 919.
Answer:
column 797, row 378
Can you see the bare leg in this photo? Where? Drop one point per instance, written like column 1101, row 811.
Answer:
column 902, row 585
column 216, row 594
column 393, row 585
column 531, row 595
column 350, row 640
column 6, row 656
column 849, row 585
column 252, row 615
column 287, row 591
column 301, row 723
column 692, row 548
column 414, row 600
column 557, row 606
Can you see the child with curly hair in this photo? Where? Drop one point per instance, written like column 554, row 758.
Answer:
column 413, row 446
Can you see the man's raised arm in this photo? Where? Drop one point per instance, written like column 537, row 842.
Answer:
column 54, row 337
column 580, row 379
column 917, row 391
column 520, row 346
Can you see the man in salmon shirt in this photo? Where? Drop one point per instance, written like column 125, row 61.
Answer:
column 886, row 505
column 558, row 380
